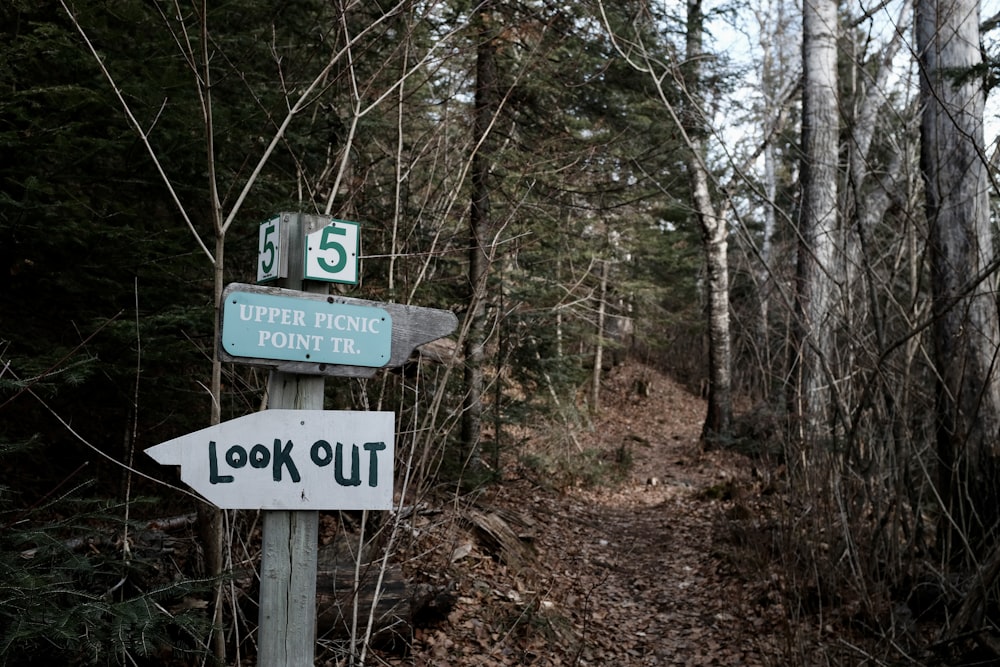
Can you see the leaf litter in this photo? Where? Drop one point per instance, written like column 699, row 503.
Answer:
column 625, row 573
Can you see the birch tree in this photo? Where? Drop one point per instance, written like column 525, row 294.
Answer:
column 963, row 262
column 816, row 308
column 690, row 118
column 714, row 232
column 775, row 86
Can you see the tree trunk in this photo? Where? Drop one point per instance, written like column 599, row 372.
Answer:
column 480, row 237
column 962, row 256
column 718, row 420
column 595, row 389
column 210, row 519
column 210, row 524
column 776, row 84
column 813, row 386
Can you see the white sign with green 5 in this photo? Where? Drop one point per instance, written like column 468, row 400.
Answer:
column 272, row 259
column 331, row 251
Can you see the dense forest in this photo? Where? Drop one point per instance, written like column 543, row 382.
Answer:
column 787, row 209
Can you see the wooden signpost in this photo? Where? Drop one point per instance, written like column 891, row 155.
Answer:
column 295, row 458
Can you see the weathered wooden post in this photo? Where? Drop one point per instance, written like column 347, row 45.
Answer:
column 286, row 629
column 295, row 458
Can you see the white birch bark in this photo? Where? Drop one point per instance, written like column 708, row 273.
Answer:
column 715, row 239
column 694, row 128
column 818, row 233
column 777, row 81
column 966, row 330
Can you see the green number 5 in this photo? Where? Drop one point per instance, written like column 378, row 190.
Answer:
column 268, row 248
column 327, row 242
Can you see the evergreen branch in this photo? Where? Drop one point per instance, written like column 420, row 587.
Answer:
column 293, row 111
column 29, row 383
column 143, row 135
column 98, row 451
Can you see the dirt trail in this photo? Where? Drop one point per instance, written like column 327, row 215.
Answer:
column 630, row 574
column 660, row 595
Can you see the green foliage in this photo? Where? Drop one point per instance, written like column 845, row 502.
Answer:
column 84, row 233
column 105, row 295
column 599, row 166
column 591, row 467
column 63, row 601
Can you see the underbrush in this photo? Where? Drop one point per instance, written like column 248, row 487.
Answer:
column 846, row 557
column 554, row 459
column 94, row 600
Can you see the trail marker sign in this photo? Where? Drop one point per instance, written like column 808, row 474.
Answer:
column 272, row 249
column 289, row 460
column 322, row 334
column 280, row 325
column 296, row 458
column 331, row 250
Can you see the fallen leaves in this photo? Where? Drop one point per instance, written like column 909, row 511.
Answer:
column 625, row 575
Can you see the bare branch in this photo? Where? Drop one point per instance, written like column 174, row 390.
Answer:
column 143, row 135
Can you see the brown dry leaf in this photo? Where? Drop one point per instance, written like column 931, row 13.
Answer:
column 625, row 574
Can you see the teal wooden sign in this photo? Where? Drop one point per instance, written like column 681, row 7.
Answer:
column 311, row 330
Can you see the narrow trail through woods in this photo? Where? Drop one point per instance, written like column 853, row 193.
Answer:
column 630, row 573
column 660, row 593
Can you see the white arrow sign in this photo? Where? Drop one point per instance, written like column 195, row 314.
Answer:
column 289, row 460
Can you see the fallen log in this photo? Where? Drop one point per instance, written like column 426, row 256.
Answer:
column 497, row 536
column 343, row 605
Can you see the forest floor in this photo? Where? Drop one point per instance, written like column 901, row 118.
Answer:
column 627, row 569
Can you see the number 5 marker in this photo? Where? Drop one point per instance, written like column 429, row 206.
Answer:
column 331, row 252
column 272, row 260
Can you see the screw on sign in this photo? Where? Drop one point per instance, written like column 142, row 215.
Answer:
column 272, row 250
column 321, row 334
column 297, row 458
column 281, row 326
column 331, row 250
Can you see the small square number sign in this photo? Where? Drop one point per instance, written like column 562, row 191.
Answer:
column 331, row 252
column 272, row 262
